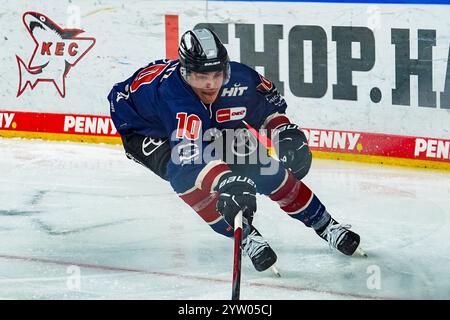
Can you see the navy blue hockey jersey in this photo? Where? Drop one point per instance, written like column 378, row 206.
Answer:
column 155, row 101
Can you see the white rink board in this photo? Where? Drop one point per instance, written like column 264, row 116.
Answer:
column 129, row 35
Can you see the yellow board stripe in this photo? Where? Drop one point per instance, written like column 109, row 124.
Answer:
column 60, row 137
column 442, row 166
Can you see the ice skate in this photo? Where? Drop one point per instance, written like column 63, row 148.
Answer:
column 340, row 238
column 259, row 251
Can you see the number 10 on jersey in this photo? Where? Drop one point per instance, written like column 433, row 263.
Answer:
column 188, row 126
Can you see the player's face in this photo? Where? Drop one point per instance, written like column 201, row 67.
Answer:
column 206, row 85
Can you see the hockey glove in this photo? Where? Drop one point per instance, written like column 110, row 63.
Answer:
column 292, row 149
column 236, row 193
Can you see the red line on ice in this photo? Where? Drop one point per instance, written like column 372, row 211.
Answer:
column 190, row 277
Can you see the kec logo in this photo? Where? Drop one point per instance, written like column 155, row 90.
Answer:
column 57, row 51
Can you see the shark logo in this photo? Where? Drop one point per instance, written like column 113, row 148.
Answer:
column 57, row 51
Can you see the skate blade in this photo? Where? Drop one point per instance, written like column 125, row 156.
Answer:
column 359, row 251
column 275, row 271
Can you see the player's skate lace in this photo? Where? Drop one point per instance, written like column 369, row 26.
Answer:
column 334, row 234
column 254, row 243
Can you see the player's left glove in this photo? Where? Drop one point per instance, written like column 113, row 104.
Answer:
column 236, row 193
column 292, row 149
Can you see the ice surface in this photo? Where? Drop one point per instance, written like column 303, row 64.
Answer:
column 68, row 207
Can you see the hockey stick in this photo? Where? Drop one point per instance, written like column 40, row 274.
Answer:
column 267, row 143
column 263, row 139
column 236, row 289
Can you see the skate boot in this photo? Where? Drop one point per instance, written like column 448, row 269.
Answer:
column 259, row 251
column 340, row 238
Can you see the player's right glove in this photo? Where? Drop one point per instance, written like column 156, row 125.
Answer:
column 236, row 193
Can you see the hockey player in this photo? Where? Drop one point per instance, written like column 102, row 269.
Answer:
column 161, row 112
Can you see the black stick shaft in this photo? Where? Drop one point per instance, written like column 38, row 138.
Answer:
column 237, row 257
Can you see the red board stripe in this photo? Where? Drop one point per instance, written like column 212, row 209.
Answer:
column 57, row 123
column 333, row 141
column 171, row 36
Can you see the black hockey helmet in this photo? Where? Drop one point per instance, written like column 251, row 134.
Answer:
column 202, row 51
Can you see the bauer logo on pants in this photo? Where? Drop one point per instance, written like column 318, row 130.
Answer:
column 57, row 51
